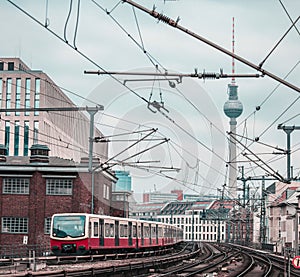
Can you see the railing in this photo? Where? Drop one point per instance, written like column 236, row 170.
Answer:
column 23, row 251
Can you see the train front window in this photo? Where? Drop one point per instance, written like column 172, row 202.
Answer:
column 72, row 226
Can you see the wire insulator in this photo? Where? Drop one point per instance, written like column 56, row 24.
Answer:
column 210, row 75
column 164, row 18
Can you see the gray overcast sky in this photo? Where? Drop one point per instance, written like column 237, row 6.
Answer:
column 196, row 106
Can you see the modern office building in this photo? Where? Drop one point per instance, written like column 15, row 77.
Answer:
column 65, row 132
column 124, row 181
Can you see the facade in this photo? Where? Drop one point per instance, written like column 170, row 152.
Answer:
column 281, row 220
column 199, row 220
column 124, row 181
column 121, row 194
column 66, row 132
column 160, row 197
column 34, row 187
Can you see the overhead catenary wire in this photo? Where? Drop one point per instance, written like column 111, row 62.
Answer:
column 174, row 23
column 287, row 13
column 65, row 115
column 290, row 28
column 90, row 60
column 67, row 21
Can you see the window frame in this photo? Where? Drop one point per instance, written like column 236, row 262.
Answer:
column 13, row 190
column 14, row 225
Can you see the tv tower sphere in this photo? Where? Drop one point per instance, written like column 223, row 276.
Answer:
column 233, row 107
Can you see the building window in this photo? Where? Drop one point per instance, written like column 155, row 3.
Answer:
column 8, row 94
column 37, row 95
column 14, row 225
column 36, row 133
column 1, row 66
column 1, row 84
column 11, row 66
column 7, row 135
column 15, row 186
column 17, row 138
column 26, row 137
column 106, row 191
column 47, row 226
column 18, row 96
column 59, row 186
column 27, row 95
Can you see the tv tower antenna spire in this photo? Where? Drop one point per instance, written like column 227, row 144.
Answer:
column 233, row 60
column 233, row 108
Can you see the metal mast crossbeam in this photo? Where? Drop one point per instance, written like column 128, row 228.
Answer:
column 288, row 130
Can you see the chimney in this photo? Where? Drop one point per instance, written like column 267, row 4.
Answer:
column 39, row 153
column 3, row 153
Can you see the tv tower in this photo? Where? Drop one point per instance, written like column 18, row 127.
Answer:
column 233, row 108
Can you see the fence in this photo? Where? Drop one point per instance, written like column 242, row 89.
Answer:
column 23, row 251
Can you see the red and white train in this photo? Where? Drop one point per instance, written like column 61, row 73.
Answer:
column 80, row 234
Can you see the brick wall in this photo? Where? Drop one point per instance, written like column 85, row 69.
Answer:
column 37, row 205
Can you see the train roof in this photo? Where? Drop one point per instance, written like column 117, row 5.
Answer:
column 114, row 218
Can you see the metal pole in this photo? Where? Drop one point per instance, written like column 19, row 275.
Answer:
column 92, row 112
column 296, row 233
column 288, row 163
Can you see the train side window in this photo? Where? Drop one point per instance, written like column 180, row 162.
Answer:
column 109, row 230
column 106, row 230
column 147, row 232
column 160, row 232
column 96, row 229
column 134, row 231
column 112, row 230
column 121, row 230
column 153, row 231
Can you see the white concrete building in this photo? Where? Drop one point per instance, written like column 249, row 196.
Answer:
column 65, row 132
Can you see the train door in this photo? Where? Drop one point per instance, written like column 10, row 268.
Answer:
column 135, row 234
column 129, row 233
column 142, row 234
column 101, row 239
column 150, row 234
column 117, row 238
column 156, row 233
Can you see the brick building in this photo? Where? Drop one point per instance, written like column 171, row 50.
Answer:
column 33, row 188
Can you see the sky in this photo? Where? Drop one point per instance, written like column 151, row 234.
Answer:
column 189, row 149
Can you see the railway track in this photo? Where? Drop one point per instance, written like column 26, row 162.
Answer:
column 125, row 264
column 232, row 261
column 188, row 260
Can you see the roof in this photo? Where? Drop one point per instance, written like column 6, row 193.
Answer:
column 176, row 208
column 289, row 196
column 226, row 204
column 25, row 161
column 23, row 164
column 149, row 207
